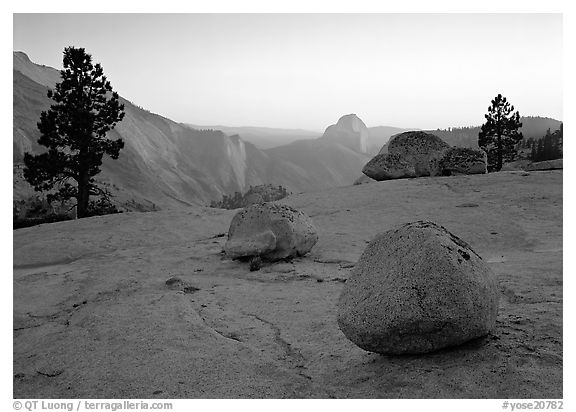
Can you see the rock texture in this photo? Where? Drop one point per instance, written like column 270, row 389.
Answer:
column 89, row 298
column 271, row 231
column 350, row 131
column 460, row 161
column 417, row 289
column 418, row 148
column 389, row 166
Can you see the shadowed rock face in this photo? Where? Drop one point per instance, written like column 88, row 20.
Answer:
column 418, row 148
column 417, row 289
column 350, row 131
column 388, row 166
column 270, row 231
column 460, row 161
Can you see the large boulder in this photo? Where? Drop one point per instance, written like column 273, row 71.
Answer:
column 460, row 161
column 418, row 148
column 270, row 231
column 388, row 166
column 350, row 131
column 417, row 289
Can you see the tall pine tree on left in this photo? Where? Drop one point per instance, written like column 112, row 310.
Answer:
column 74, row 132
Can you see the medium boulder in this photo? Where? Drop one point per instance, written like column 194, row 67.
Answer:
column 417, row 289
column 418, row 148
column 460, row 161
column 388, row 166
column 271, row 231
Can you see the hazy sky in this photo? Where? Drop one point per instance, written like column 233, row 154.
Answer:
column 306, row 70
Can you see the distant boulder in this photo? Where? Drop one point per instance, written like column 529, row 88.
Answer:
column 270, row 231
column 350, row 131
column 516, row 165
column 546, row 165
column 418, row 148
column 417, row 289
column 388, row 166
column 460, row 161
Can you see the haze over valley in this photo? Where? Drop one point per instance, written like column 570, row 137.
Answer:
column 170, row 164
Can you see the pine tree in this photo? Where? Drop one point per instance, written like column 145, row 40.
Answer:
column 499, row 135
column 540, row 150
column 533, row 154
column 74, row 131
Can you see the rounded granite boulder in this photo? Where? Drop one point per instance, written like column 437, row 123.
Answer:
column 270, row 231
column 461, row 161
column 388, row 166
column 418, row 148
column 417, row 289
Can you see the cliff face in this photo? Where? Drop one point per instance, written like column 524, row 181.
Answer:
column 163, row 163
column 168, row 164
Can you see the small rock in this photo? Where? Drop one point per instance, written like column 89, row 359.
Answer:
column 255, row 263
column 174, row 282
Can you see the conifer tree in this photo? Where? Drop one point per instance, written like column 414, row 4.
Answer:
column 74, row 132
column 499, row 135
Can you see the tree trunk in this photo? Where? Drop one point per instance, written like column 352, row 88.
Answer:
column 82, row 197
column 499, row 163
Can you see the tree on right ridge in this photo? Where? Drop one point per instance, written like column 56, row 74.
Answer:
column 499, row 136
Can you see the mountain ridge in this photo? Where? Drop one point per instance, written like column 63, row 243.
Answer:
column 165, row 163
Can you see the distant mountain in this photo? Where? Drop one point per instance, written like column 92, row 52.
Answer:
column 349, row 131
column 535, row 126
column 167, row 164
column 317, row 161
column 264, row 137
column 268, row 137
